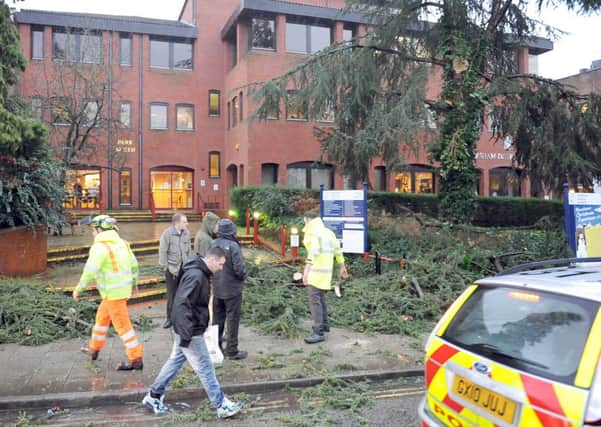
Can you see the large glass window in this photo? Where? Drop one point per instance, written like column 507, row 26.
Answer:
column 182, row 56
column 415, row 179
column 172, row 188
column 214, row 102
column 82, row 189
column 348, row 33
column 37, row 43
column 125, row 115
column 307, row 38
column 37, row 108
column 504, row 182
column 295, row 109
column 214, row 164
column 158, row 116
column 91, row 114
column 125, row 187
column 125, row 49
column 262, row 34
column 537, row 332
column 185, row 117
column 171, row 54
column 61, row 107
column 159, row 53
column 76, row 47
column 269, row 173
column 309, row 175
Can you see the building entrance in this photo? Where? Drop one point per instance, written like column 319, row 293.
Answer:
column 172, row 188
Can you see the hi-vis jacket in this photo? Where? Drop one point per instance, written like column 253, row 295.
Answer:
column 112, row 265
column 322, row 247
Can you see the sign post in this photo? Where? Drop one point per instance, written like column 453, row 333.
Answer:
column 345, row 212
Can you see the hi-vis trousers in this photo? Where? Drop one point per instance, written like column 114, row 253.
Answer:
column 115, row 311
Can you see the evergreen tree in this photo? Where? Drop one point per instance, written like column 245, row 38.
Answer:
column 377, row 88
column 30, row 192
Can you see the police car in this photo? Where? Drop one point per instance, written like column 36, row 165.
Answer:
column 519, row 349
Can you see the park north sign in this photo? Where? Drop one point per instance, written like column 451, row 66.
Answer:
column 125, row 146
column 494, row 156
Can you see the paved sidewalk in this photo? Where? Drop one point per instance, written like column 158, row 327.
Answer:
column 59, row 373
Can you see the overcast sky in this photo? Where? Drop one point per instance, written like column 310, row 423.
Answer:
column 572, row 52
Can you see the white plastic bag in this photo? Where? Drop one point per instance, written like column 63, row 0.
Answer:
column 211, row 337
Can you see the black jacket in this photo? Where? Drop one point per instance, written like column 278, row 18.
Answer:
column 190, row 313
column 229, row 282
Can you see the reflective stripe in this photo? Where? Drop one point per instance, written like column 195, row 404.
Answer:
column 98, row 337
column 111, row 257
column 117, row 285
column 91, row 268
column 101, row 328
column 117, row 274
column 132, row 344
column 128, row 335
column 321, row 270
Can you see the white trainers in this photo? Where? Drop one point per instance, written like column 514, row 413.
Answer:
column 155, row 405
column 229, row 408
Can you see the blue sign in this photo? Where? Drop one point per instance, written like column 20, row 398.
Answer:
column 345, row 212
column 583, row 222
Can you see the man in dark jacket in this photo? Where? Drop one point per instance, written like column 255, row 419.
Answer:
column 190, row 319
column 228, row 285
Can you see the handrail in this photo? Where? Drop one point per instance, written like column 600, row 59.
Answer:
column 560, row 262
column 152, row 206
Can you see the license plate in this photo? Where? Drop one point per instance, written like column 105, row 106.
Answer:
column 487, row 400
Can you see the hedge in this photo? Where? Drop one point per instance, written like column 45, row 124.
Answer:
column 492, row 211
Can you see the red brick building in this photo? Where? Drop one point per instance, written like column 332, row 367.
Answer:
column 183, row 134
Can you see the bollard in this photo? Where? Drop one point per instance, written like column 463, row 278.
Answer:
column 256, row 216
column 294, row 241
column 378, row 263
column 247, row 215
column 283, row 239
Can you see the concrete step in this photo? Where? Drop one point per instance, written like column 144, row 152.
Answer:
column 149, row 288
column 80, row 253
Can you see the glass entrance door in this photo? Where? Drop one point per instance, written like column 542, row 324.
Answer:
column 172, row 189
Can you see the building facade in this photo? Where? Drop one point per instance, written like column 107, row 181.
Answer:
column 178, row 133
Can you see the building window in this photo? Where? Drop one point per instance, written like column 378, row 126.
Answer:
column 172, row 187
column 214, row 164
column 125, row 48
column 125, row 115
column 307, row 38
column 235, row 110
column 295, row 109
column 310, row 175
column 327, row 113
column 91, row 114
column 77, row 47
column 61, row 108
column 504, row 182
column 82, row 188
column 348, row 33
column 170, row 54
column 415, row 179
column 37, row 108
column 185, row 117
column 262, row 34
column 158, row 116
column 37, row 43
column 214, row 103
column 228, row 116
column 380, row 175
column 125, row 187
column 269, row 173
column 241, row 107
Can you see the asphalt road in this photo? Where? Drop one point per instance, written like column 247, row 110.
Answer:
column 388, row 404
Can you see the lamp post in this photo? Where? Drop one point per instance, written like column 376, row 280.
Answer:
column 256, row 216
column 231, row 214
column 294, row 241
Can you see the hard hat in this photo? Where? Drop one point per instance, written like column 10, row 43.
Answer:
column 103, row 222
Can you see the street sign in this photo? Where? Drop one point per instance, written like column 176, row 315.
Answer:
column 583, row 223
column 345, row 213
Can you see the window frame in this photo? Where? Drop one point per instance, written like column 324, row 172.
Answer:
column 87, row 123
column 129, row 38
column 53, row 101
column 41, row 108
column 158, row 104
column 170, row 53
column 218, row 155
column 235, row 108
column 185, row 105
column 306, row 109
column 76, row 38
column 308, row 49
column 218, row 94
column 252, row 33
column 40, row 30
column 121, row 104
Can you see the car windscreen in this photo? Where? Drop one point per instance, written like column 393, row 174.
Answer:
column 537, row 332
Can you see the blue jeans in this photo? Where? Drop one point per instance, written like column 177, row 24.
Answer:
column 198, row 356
